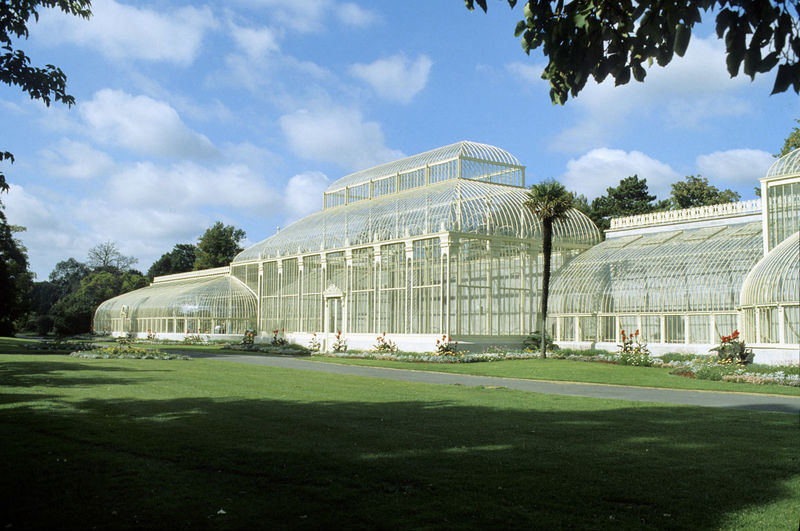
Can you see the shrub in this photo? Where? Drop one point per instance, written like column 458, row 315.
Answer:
column 194, row 339
column 633, row 352
column 276, row 339
column 384, row 345
column 249, row 337
column 733, row 350
column 340, row 345
column 445, row 346
column 533, row 343
column 314, row 345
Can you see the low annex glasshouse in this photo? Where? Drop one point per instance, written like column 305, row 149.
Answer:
column 441, row 243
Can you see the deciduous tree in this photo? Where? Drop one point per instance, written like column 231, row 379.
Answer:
column 218, row 245
column 791, row 143
column 179, row 260
column 629, row 198
column 593, row 38
column 16, row 281
column 695, row 191
column 46, row 84
column 106, row 256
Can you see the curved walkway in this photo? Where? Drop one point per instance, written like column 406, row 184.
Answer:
column 752, row 401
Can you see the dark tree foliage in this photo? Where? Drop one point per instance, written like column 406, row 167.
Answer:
column 16, row 281
column 73, row 314
column 179, row 260
column 218, row 245
column 595, row 38
column 791, row 143
column 67, row 276
column 631, row 197
column 550, row 202
column 695, row 191
column 46, row 84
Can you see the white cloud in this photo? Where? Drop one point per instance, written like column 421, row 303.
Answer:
column 688, row 92
column 735, row 166
column 311, row 15
column 395, row 78
column 528, row 73
column 256, row 43
column 337, row 135
column 601, row 168
column 303, row 194
column 355, row 15
column 189, row 185
column 76, row 160
column 121, row 31
column 143, row 125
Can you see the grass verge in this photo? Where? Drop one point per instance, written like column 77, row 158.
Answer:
column 573, row 371
column 154, row 444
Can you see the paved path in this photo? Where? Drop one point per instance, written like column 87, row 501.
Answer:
column 759, row 402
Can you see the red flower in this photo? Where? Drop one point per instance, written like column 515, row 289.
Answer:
column 636, row 333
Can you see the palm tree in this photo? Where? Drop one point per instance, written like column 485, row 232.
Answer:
column 549, row 201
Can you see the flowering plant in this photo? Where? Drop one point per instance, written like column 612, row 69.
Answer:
column 249, row 337
column 733, row 350
column 314, row 345
column 340, row 345
column 384, row 345
column 276, row 339
column 632, row 351
column 446, row 345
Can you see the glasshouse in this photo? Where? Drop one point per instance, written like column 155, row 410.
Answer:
column 441, row 243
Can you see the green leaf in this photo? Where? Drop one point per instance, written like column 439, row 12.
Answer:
column 725, row 18
column 783, row 79
column 733, row 60
column 768, row 63
column 639, row 73
column 682, row 35
column 622, row 77
column 520, row 29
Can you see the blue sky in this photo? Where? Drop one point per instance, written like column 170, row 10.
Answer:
column 244, row 111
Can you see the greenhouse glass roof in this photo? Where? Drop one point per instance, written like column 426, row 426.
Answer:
column 464, row 149
column 458, row 205
column 785, row 166
column 204, row 298
column 776, row 277
column 690, row 270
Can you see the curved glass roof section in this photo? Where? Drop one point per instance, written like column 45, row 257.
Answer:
column 220, row 298
column 788, row 164
column 463, row 149
column 776, row 278
column 457, row 205
column 682, row 271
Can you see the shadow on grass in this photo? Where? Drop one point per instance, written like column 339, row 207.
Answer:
column 206, row 463
column 51, row 374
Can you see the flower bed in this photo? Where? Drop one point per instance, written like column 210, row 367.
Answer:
column 685, row 365
column 127, row 352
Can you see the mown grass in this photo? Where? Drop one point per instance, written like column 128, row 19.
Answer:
column 203, row 444
column 573, row 371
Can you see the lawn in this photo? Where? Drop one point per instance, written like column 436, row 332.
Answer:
column 204, row 444
column 573, row 371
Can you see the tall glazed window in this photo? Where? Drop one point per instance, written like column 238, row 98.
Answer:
column 362, row 291
column 311, row 298
column 393, row 289
column 290, row 295
column 270, row 301
column 427, row 287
